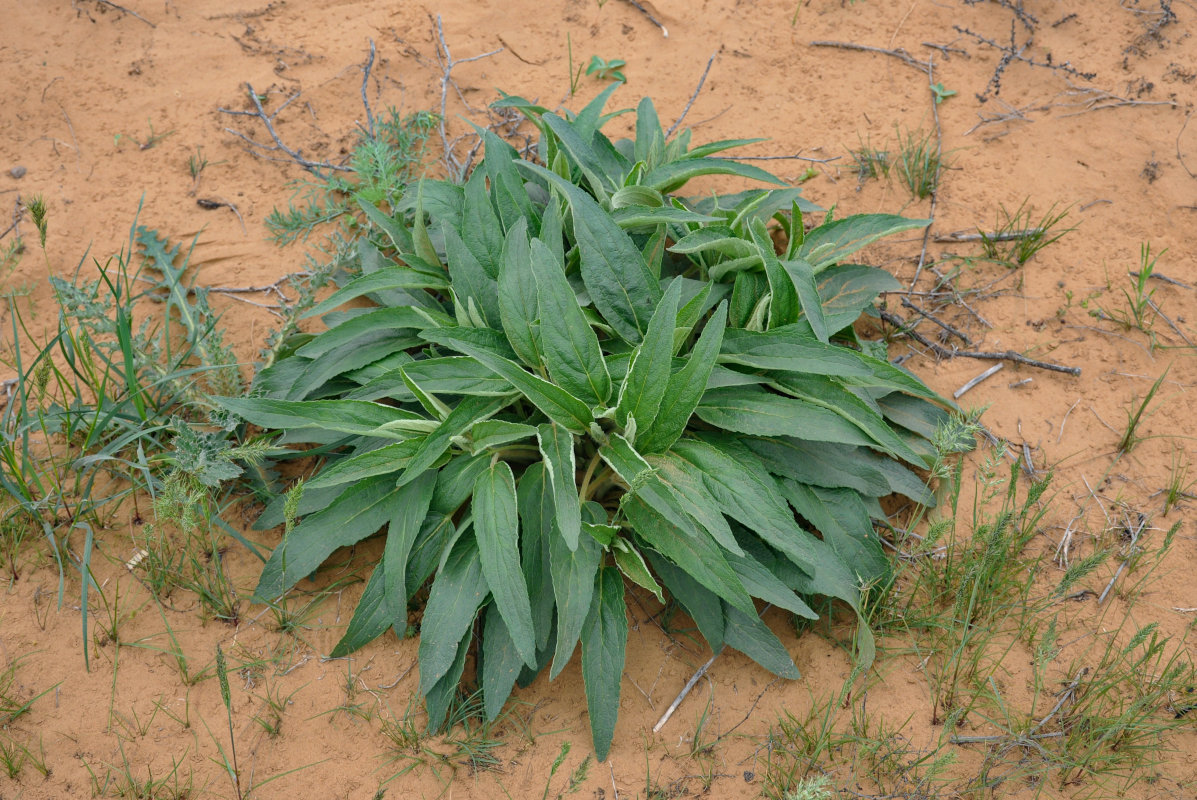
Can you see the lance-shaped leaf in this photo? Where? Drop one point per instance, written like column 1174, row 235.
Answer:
column 604, row 643
column 557, row 447
column 631, row 564
column 783, row 300
column 841, row 516
column 357, row 513
column 470, row 281
column 755, row 410
column 496, row 523
column 357, row 417
column 536, row 528
column 620, row 284
column 672, row 176
column 458, row 591
column 648, row 377
column 391, row 458
column 370, row 620
column 791, row 348
column 558, row 404
column 412, row 504
column 501, row 663
column 685, row 389
column 752, row 637
column 382, row 280
column 518, row 306
column 573, row 574
column 440, row 695
column 571, row 348
column 847, row 290
column 833, row 397
column 703, row 605
column 803, row 278
column 492, row 433
column 357, row 326
column 480, row 228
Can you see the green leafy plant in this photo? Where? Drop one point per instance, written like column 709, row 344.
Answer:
column 604, row 69
column 572, row 377
column 940, row 93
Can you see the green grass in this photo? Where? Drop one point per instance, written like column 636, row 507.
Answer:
column 919, row 163
column 1017, row 237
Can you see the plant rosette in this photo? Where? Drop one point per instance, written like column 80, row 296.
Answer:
column 571, row 384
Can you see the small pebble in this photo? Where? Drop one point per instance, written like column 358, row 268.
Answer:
column 17, row 172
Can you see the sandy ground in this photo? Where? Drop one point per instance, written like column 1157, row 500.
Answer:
column 86, row 86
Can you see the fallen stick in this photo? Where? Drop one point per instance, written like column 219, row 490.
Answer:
column 943, row 352
column 929, row 316
column 899, row 53
column 1004, row 236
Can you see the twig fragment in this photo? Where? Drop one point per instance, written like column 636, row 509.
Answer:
column 931, row 317
column 268, row 120
column 365, row 83
column 1004, row 236
column 457, row 168
column 693, row 97
column 651, row 18
column 987, row 373
column 128, row 11
column 677, row 701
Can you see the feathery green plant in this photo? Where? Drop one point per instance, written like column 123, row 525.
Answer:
column 570, row 377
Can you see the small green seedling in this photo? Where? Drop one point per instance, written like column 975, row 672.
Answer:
column 941, row 93
column 604, row 70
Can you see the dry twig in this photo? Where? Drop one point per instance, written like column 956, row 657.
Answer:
column 898, row 53
column 278, row 146
column 693, row 97
column 943, row 352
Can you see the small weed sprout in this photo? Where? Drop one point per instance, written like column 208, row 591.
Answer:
column 920, row 163
column 1015, row 240
column 607, row 70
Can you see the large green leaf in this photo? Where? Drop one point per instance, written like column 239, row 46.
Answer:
column 604, row 642
column 394, row 277
column 457, row 593
column 669, row 177
column 441, row 695
column 456, row 375
column 412, row 503
column 372, row 320
column 357, row 513
column 752, row 637
column 571, row 348
column 620, row 284
column 748, row 494
column 755, row 410
column 694, row 550
column 557, row 448
column 832, row 242
column 833, row 397
column 496, row 524
column 783, row 297
column 648, row 376
column 518, row 305
column 583, row 154
column 536, row 527
column 480, row 228
column 558, row 404
column 501, row 663
column 703, row 605
column 803, row 277
column 391, row 458
column 370, row 619
column 791, row 348
column 344, row 416
column 573, row 574
column 849, row 289
column 685, row 388
column 469, row 279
